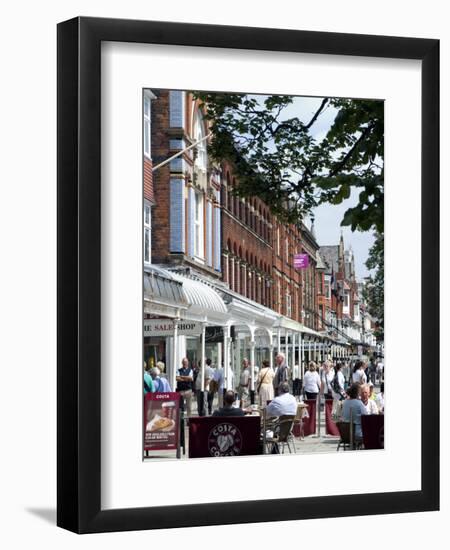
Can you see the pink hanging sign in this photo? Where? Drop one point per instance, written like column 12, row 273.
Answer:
column 301, row 261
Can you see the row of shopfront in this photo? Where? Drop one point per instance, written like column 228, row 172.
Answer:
column 185, row 316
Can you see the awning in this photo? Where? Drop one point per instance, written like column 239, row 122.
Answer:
column 244, row 311
column 173, row 295
column 204, row 304
column 289, row 324
column 163, row 295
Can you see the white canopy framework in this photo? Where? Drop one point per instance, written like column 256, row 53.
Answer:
column 248, row 328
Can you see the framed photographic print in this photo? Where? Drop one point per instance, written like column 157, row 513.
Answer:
column 247, row 254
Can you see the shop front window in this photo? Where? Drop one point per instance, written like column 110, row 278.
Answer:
column 198, row 226
column 201, row 158
column 288, row 305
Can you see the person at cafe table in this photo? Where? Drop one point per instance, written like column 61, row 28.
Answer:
column 283, row 404
column 369, row 404
column 228, row 409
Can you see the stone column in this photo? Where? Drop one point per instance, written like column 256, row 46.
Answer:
column 174, row 365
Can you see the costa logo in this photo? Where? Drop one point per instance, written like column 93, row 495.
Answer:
column 224, row 440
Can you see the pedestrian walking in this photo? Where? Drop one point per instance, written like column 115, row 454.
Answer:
column 264, row 384
column 244, row 382
column 185, row 378
column 311, row 383
column 282, row 372
column 148, row 382
column 326, row 377
column 161, row 384
column 359, row 376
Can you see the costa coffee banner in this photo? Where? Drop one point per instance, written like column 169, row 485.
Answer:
column 309, row 423
column 161, row 421
column 372, row 426
column 224, row 436
column 301, row 261
column 165, row 327
column 330, row 425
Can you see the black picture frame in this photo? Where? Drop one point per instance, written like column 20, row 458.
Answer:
column 79, row 281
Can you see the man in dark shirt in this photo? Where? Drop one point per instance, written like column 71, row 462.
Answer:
column 184, row 378
column 281, row 374
column 228, row 409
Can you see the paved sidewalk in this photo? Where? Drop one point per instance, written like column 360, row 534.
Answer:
column 309, row 445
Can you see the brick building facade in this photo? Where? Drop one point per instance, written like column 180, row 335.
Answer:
column 203, row 230
column 199, row 223
column 246, row 243
column 258, row 256
column 187, row 224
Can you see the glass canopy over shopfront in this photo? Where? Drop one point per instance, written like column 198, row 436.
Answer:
column 185, row 316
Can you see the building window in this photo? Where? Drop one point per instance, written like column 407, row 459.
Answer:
column 278, row 240
column 346, row 299
column 198, row 226
column 288, row 305
column 147, row 125
column 147, row 233
column 327, row 290
column 201, row 159
column 286, row 247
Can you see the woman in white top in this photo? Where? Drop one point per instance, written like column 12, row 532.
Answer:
column 359, row 376
column 379, row 399
column 326, row 377
column 311, row 382
column 338, row 384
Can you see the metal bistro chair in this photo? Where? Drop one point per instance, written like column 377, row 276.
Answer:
column 348, row 440
column 282, row 434
column 297, row 429
column 344, row 432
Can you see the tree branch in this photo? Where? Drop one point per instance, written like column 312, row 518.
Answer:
column 340, row 165
column 319, row 110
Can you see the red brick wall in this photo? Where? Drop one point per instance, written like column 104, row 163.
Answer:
column 321, row 300
column 148, row 180
column 290, row 278
column 249, row 234
column 161, row 136
column 248, row 229
column 246, row 238
column 251, row 250
column 161, row 178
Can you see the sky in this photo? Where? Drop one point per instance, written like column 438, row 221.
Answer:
column 327, row 224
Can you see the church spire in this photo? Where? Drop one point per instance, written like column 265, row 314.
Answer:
column 341, row 252
column 313, row 231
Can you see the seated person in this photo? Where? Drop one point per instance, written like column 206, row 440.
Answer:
column 379, row 399
column 354, row 407
column 369, row 404
column 228, row 409
column 283, row 404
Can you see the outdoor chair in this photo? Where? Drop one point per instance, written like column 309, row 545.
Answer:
column 347, row 438
column 297, row 429
column 282, row 434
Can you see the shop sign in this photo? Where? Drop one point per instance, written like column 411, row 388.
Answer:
column 165, row 327
column 161, row 421
column 301, row 261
